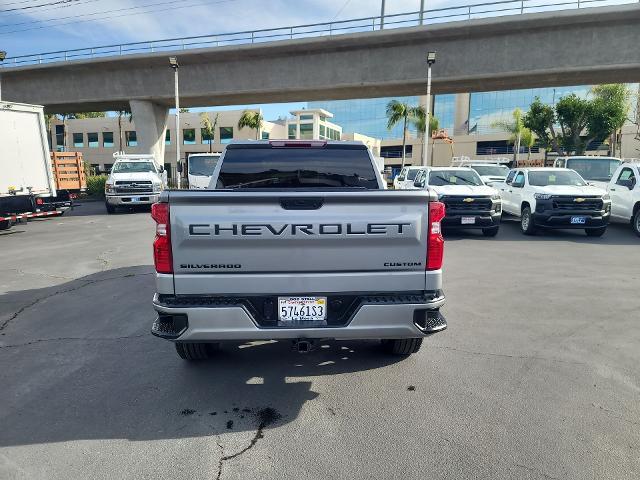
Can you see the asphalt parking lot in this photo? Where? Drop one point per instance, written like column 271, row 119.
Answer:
column 536, row 377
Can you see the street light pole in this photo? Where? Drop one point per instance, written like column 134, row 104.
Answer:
column 382, row 9
column 3, row 55
column 431, row 59
column 173, row 61
column 421, row 12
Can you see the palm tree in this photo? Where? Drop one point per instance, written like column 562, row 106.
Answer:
column 252, row 120
column 209, row 127
column 403, row 112
column 516, row 128
column 434, row 124
column 122, row 113
column 528, row 140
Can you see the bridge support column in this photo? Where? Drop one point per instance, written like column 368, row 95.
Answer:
column 461, row 123
column 151, row 126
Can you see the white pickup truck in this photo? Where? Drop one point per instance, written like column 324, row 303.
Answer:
column 595, row 170
column 404, row 180
column 624, row 190
column 299, row 241
column 200, row 169
column 134, row 180
column 469, row 202
column 555, row 198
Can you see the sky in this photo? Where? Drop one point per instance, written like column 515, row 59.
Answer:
column 36, row 26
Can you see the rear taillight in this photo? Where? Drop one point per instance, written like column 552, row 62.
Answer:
column 162, row 244
column 435, row 241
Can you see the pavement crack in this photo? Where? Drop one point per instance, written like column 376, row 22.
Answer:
column 37, row 274
column 266, row 417
column 63, row 339
column 504, row 355
column 17, row 313
column 536, row 471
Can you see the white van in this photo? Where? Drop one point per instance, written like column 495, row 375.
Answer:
column 200, row 169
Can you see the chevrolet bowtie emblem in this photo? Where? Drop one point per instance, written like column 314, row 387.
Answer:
column 468, row 200
column 579, row 200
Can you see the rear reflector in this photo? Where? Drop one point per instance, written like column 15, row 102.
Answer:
column 39, row 201
column 435, row 241
column 162, row 243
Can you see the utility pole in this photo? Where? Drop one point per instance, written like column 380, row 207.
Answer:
column 173, row 62
column 382, row 9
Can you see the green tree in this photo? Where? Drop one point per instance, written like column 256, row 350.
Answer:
column 122, row 113
column 528, row 140
column 614, row 101
column 516, row 128
column 252, row 120
column 407, row 114
column 184, row 110
column 83, row 115
column 576, row 122
column 209, row 127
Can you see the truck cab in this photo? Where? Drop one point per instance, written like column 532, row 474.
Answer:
column 595, row 170
column 624, row 189
column 134, row 180
column 469, row 202
column 406, row 178
column 555, row 198
column 200, row 169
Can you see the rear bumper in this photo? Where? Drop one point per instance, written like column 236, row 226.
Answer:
column 143, row 199
column 374, row 318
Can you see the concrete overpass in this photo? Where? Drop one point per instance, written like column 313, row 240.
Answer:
column 571, row 47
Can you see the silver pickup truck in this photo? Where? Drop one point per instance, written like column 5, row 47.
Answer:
column 297, row 241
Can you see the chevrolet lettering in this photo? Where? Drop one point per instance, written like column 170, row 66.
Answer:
column 291, row 242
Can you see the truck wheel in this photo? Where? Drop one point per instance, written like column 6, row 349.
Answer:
column 110, row 208
column 404, row 346
column 595, row 232
column 636, row 223
column 526, row 222
column 5, row 224
column 491, row 231
column 196, row 351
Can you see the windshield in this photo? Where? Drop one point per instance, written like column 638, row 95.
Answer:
column 491, row 170
column 412, row 174
column 591, row 168
column 203, row 165
column 134, row 167
column 555, row 177
column 454, row 177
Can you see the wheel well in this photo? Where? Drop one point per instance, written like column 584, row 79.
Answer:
column 524, row 204
column 636, row 207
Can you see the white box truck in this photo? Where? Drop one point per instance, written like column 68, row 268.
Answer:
column 27, row 185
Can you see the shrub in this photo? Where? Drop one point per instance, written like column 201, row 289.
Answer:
column 95, row 185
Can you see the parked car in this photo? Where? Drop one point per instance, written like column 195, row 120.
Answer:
column 406, row 177
column 491, row 173
column 299, row 241
column 134, row 180
column 200, row 169
column 469, row 203
column 555, row 198
column 624, row 190
column 595, row 170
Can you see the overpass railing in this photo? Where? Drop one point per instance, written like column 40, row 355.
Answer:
column 366, row 24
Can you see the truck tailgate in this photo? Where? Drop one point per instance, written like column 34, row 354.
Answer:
column 230, row 242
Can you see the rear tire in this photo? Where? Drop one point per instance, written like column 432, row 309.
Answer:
column 491, row 231
column 5, row 224
column 526, row 222
column 595, row 232
column 636, row 222
column 404, row 346
column 193, row 351
column 110, row 208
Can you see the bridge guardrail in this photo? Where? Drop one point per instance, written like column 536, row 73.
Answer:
column 339, row 27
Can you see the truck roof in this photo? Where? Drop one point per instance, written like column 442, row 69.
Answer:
column 283, row 142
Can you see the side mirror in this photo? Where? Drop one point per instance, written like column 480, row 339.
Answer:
column 419, row 184
column 179, row 167
column 161, row 169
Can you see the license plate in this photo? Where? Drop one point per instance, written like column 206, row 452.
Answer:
column 578, row 220
column 297, row 309
column 135, row 199
column 468, row 220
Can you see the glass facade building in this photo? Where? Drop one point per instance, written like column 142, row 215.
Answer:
column 368, row 117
